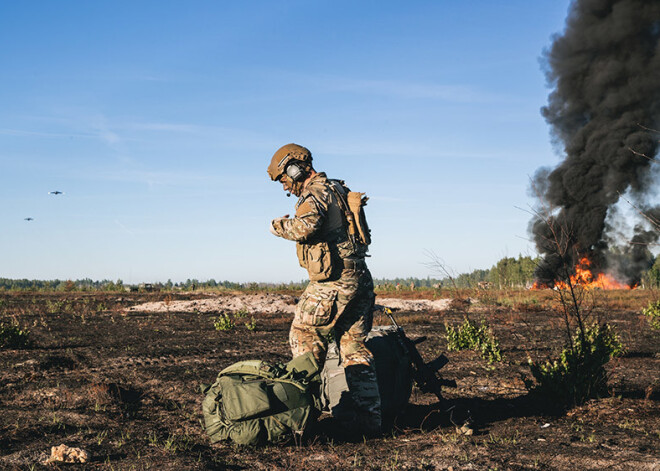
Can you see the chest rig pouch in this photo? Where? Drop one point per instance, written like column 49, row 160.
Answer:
column 316, row 258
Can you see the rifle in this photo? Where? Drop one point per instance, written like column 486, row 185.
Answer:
column 425, row 374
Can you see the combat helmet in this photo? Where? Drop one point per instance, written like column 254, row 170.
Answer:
column 284, row 156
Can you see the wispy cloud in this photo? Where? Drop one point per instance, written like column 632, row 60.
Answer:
column 124, row 228
column 161, row 178
column 105, row 130
column 167, row 127
column 400, row 88
column 189, row 128
column 53, row 135
column 398, row 149
column 410, row 90
column 228, row 137
column 64, row 127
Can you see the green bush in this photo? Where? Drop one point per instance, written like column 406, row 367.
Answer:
column 579, row 373
column 223, row 322
column 653, row 314
column 251, row 325
column 11, row 336
column 59, row 306
column 470, row 336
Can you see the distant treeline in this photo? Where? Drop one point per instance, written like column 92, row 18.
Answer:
column 508, row 272
column 119, row 285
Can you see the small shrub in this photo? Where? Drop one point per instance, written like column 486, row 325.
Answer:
column 12, row 336
column 470, row 336
column 223, row 322
column 177, row 443
column 53, row 307
column 241, row 313
column 652, row 312
column 579, row 373
column 251, row 325
column 59, row 306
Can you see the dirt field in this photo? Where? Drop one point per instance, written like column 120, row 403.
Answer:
column 120, row 378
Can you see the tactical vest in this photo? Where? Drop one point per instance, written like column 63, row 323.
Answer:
column 343, row 235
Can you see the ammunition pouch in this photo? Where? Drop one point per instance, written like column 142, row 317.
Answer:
column 316, row 259
column 356, row 203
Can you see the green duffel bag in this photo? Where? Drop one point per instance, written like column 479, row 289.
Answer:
column 255, row 402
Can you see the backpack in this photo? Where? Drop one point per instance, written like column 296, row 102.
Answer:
column 254, row 402
column 393, row 370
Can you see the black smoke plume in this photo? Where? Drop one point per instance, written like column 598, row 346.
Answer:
column 605, row 104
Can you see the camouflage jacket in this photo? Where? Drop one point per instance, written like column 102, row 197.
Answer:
column 319, row 218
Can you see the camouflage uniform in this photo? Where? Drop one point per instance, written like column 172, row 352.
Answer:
column 343, row 303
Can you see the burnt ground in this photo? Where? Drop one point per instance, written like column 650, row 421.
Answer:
column 125, row 387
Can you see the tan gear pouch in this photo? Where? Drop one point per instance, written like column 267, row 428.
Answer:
column 356, row 203
column 316, row 259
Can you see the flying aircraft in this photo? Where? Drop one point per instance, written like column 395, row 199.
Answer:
column 29, row 219
column 56, row 192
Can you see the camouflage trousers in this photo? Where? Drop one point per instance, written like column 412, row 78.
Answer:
column 342, row 307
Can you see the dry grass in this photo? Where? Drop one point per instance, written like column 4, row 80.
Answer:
column 126, row 387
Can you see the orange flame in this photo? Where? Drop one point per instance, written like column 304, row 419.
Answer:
column 585, row 278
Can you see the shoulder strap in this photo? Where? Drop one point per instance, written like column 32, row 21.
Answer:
column 351, row 226
column 267, row 371
column 252, row 367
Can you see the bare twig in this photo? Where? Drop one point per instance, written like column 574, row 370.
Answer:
column 561, row 243
column 642, row 155
column 648, row 129
column 651, row 219
column 438, row 265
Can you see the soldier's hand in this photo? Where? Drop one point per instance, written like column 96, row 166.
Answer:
column 272, row 228
column 275, row 222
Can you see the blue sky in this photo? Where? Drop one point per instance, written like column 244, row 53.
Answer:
column 158, row 119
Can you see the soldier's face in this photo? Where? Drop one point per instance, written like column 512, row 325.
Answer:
column 286, row 184
column 290, row 186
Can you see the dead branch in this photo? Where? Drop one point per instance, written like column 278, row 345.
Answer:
column 651, row 219
column 648, row 129
column 438, row 265
column 642, row 155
